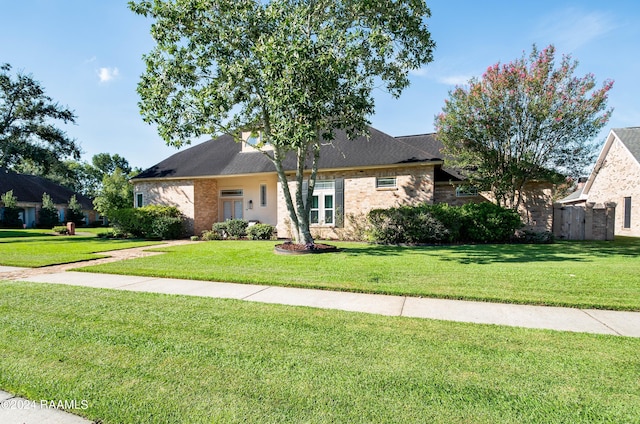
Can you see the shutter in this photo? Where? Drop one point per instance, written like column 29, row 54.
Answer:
column 339, row 212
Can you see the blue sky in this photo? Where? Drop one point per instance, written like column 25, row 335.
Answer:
column 87, row 55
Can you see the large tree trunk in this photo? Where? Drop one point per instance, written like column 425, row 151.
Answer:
column 300, row 210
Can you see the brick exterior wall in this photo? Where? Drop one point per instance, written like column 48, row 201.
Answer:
column 446, row 193
column 619, row 177
column 536, row 209
column 179, row 193
column 413, row 185
column 206, row 199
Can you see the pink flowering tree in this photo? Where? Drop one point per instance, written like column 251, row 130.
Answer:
column 528, row 120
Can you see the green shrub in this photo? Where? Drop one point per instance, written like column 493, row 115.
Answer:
column 211, row 235
column 260, row 232
column 74, row 212
column 470, row 223
column 61, row 229
column 11, row 211
column 406, row 224
column 152, row 221
column 488, row 223
column 49, row 216
column 237, row 228
column 220, row 228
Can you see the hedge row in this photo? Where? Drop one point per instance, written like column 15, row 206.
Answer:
column 156, row 222
column 441, row 223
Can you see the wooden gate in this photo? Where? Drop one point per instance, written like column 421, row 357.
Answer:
column 584, row 222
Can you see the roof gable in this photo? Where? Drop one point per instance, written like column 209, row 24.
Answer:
column 223, row 156
column 630, row 137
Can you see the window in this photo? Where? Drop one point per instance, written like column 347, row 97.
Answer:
column 323, row 203
column 466, row 191
column 231, row 193
column 139, row 200
column 263, row 195
column 627, row 212
column 325, row 185
column 253, row 140
column 385, row 182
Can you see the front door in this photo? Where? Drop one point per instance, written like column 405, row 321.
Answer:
column 232, row 209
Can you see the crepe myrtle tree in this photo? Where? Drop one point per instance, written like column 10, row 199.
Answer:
column 292, row 71
column 523, row 121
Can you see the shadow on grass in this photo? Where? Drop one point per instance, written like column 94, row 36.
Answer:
column 569, row 251
column 23, row 234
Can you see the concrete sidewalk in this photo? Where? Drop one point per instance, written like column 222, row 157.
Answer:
column 542, row 317
column 21, row 411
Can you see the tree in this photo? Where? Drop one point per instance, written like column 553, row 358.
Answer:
column 26, row 131
column 11, row 212
column 49, row 217
column 523, row 121
column 74, row 211
column 106, row 164
column 289, row 71
column 116, row 193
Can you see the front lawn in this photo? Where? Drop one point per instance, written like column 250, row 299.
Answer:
column 35, row 248
column 578, row 274
column 150, row 358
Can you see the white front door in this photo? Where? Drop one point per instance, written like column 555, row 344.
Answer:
column 232, row 209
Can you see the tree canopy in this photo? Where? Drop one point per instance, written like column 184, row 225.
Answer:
column 27, row 130
column 290, row 71
column 523, row 121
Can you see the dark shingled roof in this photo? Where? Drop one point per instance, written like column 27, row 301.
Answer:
column 223, row 156
column 29, row 188
column 630, row 137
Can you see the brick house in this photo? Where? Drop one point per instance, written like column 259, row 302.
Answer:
column 221, row 179
column 28, row 190
column 616, row 178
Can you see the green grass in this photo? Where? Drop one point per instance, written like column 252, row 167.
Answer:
column 36, row 248
column 141, row 357
column 603, row 275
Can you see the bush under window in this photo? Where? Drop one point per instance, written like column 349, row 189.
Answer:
column 158, row 222
column 441, row 223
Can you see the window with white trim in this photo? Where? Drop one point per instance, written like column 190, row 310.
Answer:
column 386, row 182
column 232, row 193
column 139, row 200
column 323, row 203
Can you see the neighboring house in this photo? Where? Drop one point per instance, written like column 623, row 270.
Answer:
column 28, row 189
column 616, row 178
column 221, row 179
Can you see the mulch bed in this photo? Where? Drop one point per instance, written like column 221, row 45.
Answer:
column 301, row 249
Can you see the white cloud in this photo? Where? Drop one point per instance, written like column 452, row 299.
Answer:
column 454, row 79
column 421, row 72
column 443, row 72
column 107, row 74
column 570, row 29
